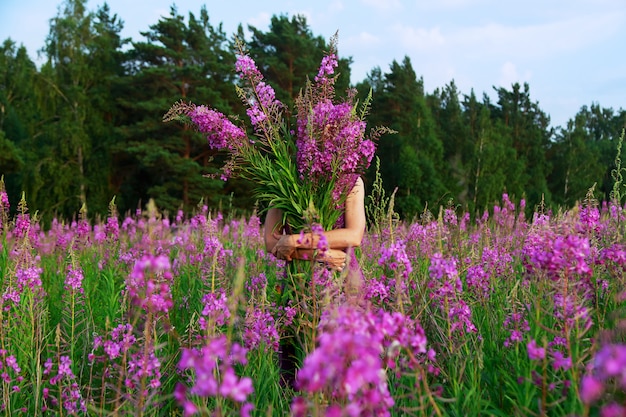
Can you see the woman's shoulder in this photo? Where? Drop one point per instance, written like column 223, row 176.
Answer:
column 358, row 187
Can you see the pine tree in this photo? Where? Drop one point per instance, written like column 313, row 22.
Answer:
column 454, row 133
column 412, row 159
column 576, row 162
column 528, row 127
column 68, row 168
column 495, row 167
column 18, row 114
column 168, row 162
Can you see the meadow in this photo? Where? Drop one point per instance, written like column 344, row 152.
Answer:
column 156, row 315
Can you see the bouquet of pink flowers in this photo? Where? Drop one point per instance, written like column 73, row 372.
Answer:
column 307, row 172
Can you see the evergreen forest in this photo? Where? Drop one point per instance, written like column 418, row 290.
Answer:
column 85, row 127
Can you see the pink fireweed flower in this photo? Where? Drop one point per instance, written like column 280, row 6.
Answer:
column 4, row 207
column 348, row 361
column 112, row 228
column 610, row 362
column 149, row 284
column 322, row 243
column 330, row 140
column 327, row 68
column 74, row 279
column 234, row 387
column 505, row 216
column 26, row 279
column 82, row 230
column 64, row 367
column 266, row 96
column 246, row 67
column 257, row 284
column 215, row 311
column 260, row 97
column 450, row 217
column 478, row 280
column 424, row 239
column 10, row 371
column 119, row 341
column 252, row 230
column 218, row 355
column 559, row 361
column 221, row 132
column 591, row 389
column 446, row 289
column 99, row 235
column 558, row 255
column 260, row 329
column 65, row 382
column 180, row 395
column 143, row 366
column 614, row 257
column 330, row 136
column 613, row 410
column 4, row 201
column 535, row 352
column 22, row 225
column 589, row 220
column 570, row 311
column 517, row 324
column 395, row 258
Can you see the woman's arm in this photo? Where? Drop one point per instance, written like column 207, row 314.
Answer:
column 351, row 235
column 273, row 228
column 274, row 232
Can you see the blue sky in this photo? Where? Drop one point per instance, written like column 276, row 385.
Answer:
column 571, row 52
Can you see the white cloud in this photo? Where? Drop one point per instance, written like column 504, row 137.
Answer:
column 418, row 38
column 362, row 40
column 509, row 75
column 336, row 6
column 384, row 4
column 536, row 41
column 447, row 4
column 260, row 21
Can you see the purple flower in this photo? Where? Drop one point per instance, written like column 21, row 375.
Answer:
column 74, row 279
column 218, row 353
column 395, row 258
column 215, row 310
column 64, row 367
column 518, row 325
column 613, row 410
column 221, row 132
column 149, row 284
column 260, row 329
column 535, row 352
column 590, row 389
column 347, row 363
column 560, row 362
column 246, row 67
column 327, row 67
column 234, row 387
column 446, row 288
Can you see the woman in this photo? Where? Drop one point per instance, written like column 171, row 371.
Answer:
column 290, row 246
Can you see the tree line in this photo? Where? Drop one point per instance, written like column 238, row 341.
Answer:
column 86, row 126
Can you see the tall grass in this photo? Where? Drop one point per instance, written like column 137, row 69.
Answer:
column 153, row 316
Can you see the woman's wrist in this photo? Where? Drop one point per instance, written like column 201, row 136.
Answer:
column 303, row 241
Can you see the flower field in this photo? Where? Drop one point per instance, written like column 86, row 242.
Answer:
column 151, row 315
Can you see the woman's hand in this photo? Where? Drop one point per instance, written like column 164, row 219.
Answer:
column 334, row 258
column 285, row 248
